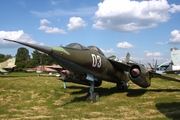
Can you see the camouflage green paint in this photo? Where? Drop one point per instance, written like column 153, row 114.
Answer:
column 60, row 49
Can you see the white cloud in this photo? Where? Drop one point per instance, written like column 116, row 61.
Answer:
column 83, row 11
column 47, row 29
column 53, row 2
column 76, row 23
column 11, row 34
column 51, row 29
column 109, row 51
column 160, row 43
column 132, row 16
column 175, row 8
column 153, row 54
column 14, row 35
column 124, row 45
column 175, row 37
column 44, row 21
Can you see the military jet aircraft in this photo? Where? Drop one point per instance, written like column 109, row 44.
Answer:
column 172, row 66
column 7, row 66
column 89, row 66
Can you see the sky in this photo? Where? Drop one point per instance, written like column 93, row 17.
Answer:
column 147, row 29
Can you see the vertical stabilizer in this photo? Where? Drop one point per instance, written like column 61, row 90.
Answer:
column 175, row 56
column 10, row 63
column 127, row 57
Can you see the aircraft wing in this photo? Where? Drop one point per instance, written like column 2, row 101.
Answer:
column 154, row 74
column 125, row 67
column 172, row 71
column 119, row 65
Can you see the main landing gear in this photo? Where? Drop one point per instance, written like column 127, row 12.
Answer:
column 122, row 86
column 92, row 96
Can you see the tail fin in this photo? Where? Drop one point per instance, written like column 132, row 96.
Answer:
column 150, row 65
column 155, row 67
column 10, row 63
column 127, row 57
column 175, row 56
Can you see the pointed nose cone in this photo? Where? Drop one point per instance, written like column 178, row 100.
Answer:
column 41, row 48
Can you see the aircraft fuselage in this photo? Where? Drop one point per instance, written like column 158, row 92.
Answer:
column 87, row 61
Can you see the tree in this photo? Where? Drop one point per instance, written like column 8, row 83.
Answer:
column 4, row 57
column 22, row 55
column 36, row 58
column 46, row 60
column 39, row 58
column 22, row 59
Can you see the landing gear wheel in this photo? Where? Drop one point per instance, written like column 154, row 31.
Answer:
column 122, row 86
column 94, row 98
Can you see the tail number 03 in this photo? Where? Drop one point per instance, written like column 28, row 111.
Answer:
column 96, row 61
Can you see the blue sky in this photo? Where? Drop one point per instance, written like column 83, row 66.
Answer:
column 145, row 29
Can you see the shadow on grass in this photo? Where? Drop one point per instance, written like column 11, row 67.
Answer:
column 170, row 110
column 110, row 91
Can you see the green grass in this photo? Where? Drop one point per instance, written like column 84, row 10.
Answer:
column 27, row 96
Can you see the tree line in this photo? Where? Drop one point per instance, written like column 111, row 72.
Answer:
column 24, row 60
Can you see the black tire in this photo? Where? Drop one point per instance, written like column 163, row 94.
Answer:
column 95, row 97
column 122, row 86
column 89, row 98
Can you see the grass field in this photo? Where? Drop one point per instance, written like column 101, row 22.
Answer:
column 27, row 96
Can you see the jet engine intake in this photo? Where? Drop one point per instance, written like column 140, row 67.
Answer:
column 139, row 75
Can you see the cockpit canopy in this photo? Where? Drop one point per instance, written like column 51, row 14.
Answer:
column 81, row 47
column 96, row 49
column 76, row 46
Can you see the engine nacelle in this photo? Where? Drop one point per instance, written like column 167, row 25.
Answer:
column 139, row 75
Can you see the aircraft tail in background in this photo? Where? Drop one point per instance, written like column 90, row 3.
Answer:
column 175, row 56
column 8, row 65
